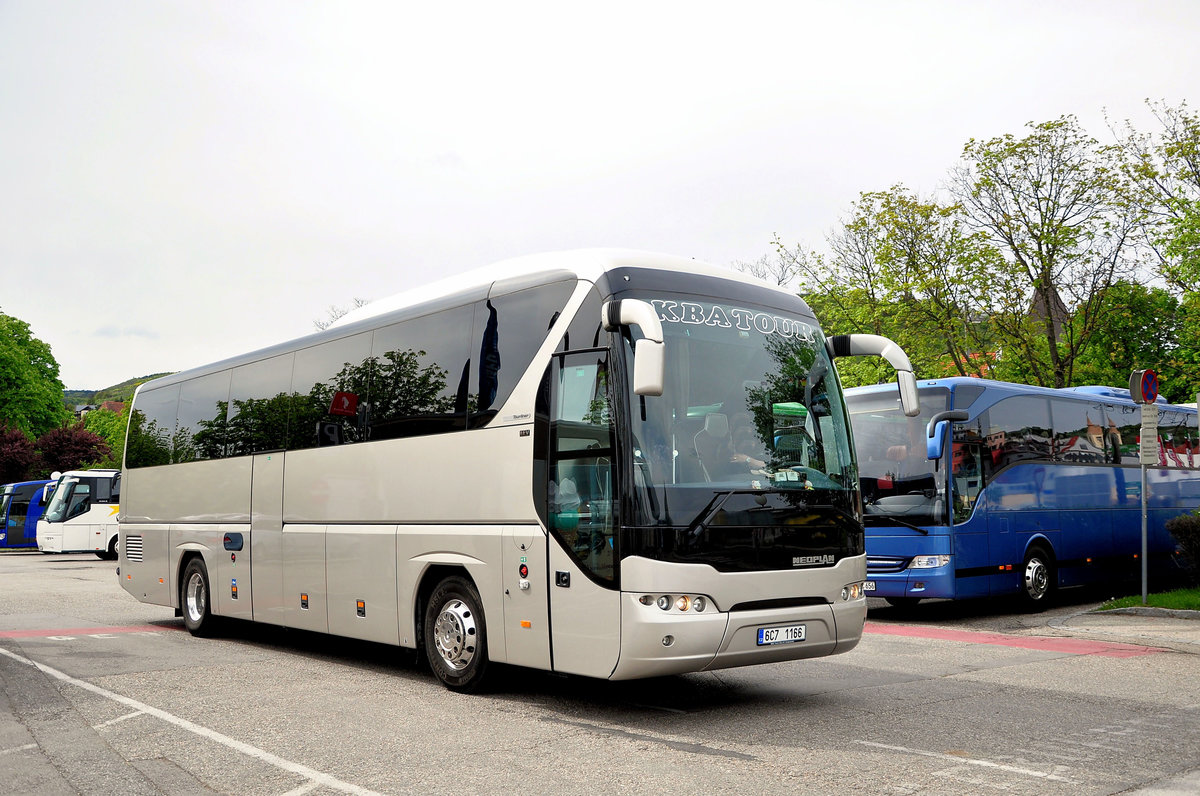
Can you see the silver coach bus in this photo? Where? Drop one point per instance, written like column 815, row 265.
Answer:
column 611, row 464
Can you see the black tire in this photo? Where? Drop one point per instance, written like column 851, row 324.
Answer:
column 111, row 553
column 1038, row 578
column 195, row 598
column 902, row 602
column 455, row 635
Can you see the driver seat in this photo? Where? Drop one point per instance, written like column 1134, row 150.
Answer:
column 713, row 447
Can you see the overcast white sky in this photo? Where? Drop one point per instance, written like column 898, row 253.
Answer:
column 184, row 181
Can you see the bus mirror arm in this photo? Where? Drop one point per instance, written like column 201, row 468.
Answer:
column 873, row 345
column 935, row 432
column 649, row 353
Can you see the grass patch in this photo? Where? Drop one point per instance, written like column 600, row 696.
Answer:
column 1179, row 599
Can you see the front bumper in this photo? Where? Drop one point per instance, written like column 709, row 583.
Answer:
column 656, row 642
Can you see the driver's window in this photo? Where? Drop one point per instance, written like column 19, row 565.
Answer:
column 580, row 494
column 80, row 498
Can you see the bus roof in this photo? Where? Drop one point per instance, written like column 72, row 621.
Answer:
column 586, row 264
column 1005, row 388
column 475, row 285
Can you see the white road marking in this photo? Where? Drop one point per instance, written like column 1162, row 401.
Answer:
column 10, row 750
column 317, row 777
column 972, row 761
column 111, row 722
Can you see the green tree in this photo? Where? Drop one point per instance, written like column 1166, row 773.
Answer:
column 30, row 390
column 1163, row 168
column 1140, row 330
column 110, row 427
column 1058, row 206
column 907, row 268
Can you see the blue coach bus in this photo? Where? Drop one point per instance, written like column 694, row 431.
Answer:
column 20, row 508
column 1013, row 489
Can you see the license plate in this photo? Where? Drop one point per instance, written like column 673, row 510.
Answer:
column 868, row 585
column 780, row 635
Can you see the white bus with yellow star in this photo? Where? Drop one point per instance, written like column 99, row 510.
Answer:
column 81, row 513
column 602, row 463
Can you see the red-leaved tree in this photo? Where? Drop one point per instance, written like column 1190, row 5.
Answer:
column 18, row 457
column 71, row 447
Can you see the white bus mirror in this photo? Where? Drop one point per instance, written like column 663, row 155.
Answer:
column 873, row 345
column 649, row 353
column 649, row 363
column 909, row 401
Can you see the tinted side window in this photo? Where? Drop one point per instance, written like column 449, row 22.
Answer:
column 1122, row 431
column 259, row 405
column 1177, row 438
column 1014, row 430
column 1078, row 431
column 509, row 329
column 152, row 427
column 329, row 388
column 419, row 373
column 203, row 416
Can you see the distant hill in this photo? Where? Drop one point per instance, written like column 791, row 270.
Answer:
column 117, row 392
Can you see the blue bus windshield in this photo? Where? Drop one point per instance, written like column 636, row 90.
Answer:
column 898, row 482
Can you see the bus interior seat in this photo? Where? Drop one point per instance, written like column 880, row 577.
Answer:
column 712, row 445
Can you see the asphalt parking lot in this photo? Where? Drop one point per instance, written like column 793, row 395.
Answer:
column 101, row 693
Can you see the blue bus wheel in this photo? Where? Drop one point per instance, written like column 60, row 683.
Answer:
column 1037, row 578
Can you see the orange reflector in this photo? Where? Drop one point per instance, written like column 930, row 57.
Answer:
column 1089, row 560
column 526, row 623
column 361, row 604
column 129, row 577
column 160, row 580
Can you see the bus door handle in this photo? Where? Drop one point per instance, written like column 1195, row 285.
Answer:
column 562, row 579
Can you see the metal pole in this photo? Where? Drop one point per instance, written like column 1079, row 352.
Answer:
column 1145, row 544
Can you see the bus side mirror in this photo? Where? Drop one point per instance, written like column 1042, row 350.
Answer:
column 873, row 345
column 935, row 432
column 649, row 353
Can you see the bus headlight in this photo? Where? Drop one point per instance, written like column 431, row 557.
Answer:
column 928, row 562
column 852, row 591
column 681, row 603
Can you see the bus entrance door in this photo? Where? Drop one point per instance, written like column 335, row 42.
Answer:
column 585, row 606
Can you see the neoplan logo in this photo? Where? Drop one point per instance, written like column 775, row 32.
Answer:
column 812, row 561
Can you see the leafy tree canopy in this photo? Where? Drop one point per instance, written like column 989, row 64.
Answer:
column 30, row 390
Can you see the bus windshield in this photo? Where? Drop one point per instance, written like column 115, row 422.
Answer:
column 749, row 436
column 70, row 498
column 899, row 484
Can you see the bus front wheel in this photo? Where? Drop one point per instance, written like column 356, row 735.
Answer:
column 196, row 594
column 455, row 635
column 1037, row 579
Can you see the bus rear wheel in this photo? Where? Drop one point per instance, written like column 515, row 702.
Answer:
column 196, row 599
column 455, row 635
column 1037, row 578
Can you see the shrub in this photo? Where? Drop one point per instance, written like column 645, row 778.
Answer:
column 1186, row 530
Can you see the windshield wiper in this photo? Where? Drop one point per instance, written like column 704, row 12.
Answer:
column 887, row 519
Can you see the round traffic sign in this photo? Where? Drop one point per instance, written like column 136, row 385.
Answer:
column 1143, row 386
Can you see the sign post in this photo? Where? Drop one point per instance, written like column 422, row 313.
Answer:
column 1143, row 389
